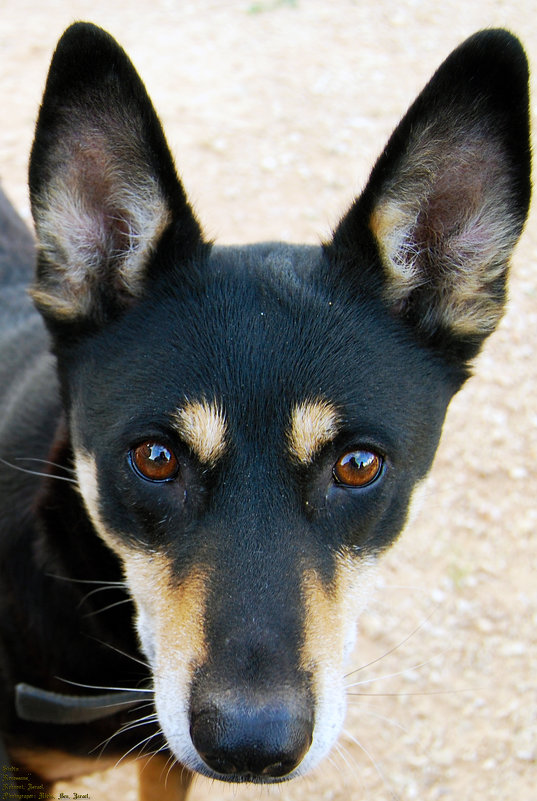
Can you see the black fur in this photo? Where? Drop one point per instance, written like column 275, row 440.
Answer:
column 144, row 319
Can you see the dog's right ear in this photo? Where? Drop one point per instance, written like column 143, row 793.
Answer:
column 103, row 186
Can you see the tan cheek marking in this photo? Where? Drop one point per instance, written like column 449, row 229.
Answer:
column 202, row 425
column 417, row 500
column 171, row 617
column 313, row 425
column 322, row 630
column 331, row 614
column 86, row 473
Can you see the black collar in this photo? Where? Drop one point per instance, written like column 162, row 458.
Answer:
column 44, row 706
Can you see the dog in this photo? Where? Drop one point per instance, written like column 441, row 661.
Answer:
column 223, row 440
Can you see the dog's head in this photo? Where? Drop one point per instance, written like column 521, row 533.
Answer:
column 249, row 424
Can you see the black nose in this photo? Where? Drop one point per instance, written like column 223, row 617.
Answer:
column 239, row 741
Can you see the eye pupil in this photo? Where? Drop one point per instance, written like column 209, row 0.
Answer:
column 154, row 461
column 357, row 468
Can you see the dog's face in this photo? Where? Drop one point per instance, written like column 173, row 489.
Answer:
column 247, row 462
column 250, row 424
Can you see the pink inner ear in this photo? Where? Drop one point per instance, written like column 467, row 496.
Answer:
column 464, row 216
column 447, row 224
column 443, row 218
column 98, row 185
column 114, row 207
column 100, row 216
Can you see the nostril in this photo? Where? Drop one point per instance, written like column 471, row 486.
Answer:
column 219, row 765
column 279, row 769
column 260, row 743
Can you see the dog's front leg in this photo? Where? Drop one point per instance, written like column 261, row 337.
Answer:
column 157, row 780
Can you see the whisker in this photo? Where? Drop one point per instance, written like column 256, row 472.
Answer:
column 144, row 705
column 390, row 721
column 103, row 687
column 351, row 763
column 151, row 718
column 135, row 724
column 141, row 744
column 330, row 759
column 173, row 761
column 110, row 606
column 125, row 728
column 112, row 586
column 123, row 653
column 37, row 472
column 344, row 753
column 374, row 762
column 395, row 647
column 47, row 462
column 97, row 590
column 404, row 693
column 151, row 755
column 397, row 673
column 87, row 581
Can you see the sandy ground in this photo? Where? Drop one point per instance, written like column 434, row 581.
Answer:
column 275, row 111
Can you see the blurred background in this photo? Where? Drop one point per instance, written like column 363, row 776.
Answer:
column 275, row 111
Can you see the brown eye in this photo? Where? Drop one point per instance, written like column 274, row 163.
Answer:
column 154, row 461
column 357, row 468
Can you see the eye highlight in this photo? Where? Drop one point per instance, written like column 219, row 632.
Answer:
column 357, row 468
column 154, row 461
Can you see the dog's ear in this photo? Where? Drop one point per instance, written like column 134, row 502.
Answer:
column 103, row 186
column 447, row 200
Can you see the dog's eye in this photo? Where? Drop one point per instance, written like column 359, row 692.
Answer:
column 154, row 461
column 357, row 468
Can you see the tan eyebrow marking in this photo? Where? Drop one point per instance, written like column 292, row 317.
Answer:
column 313, row 425
column 202, row 425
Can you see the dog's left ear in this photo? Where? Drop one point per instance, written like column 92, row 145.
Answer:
column 447, row 200
column 103, row 185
